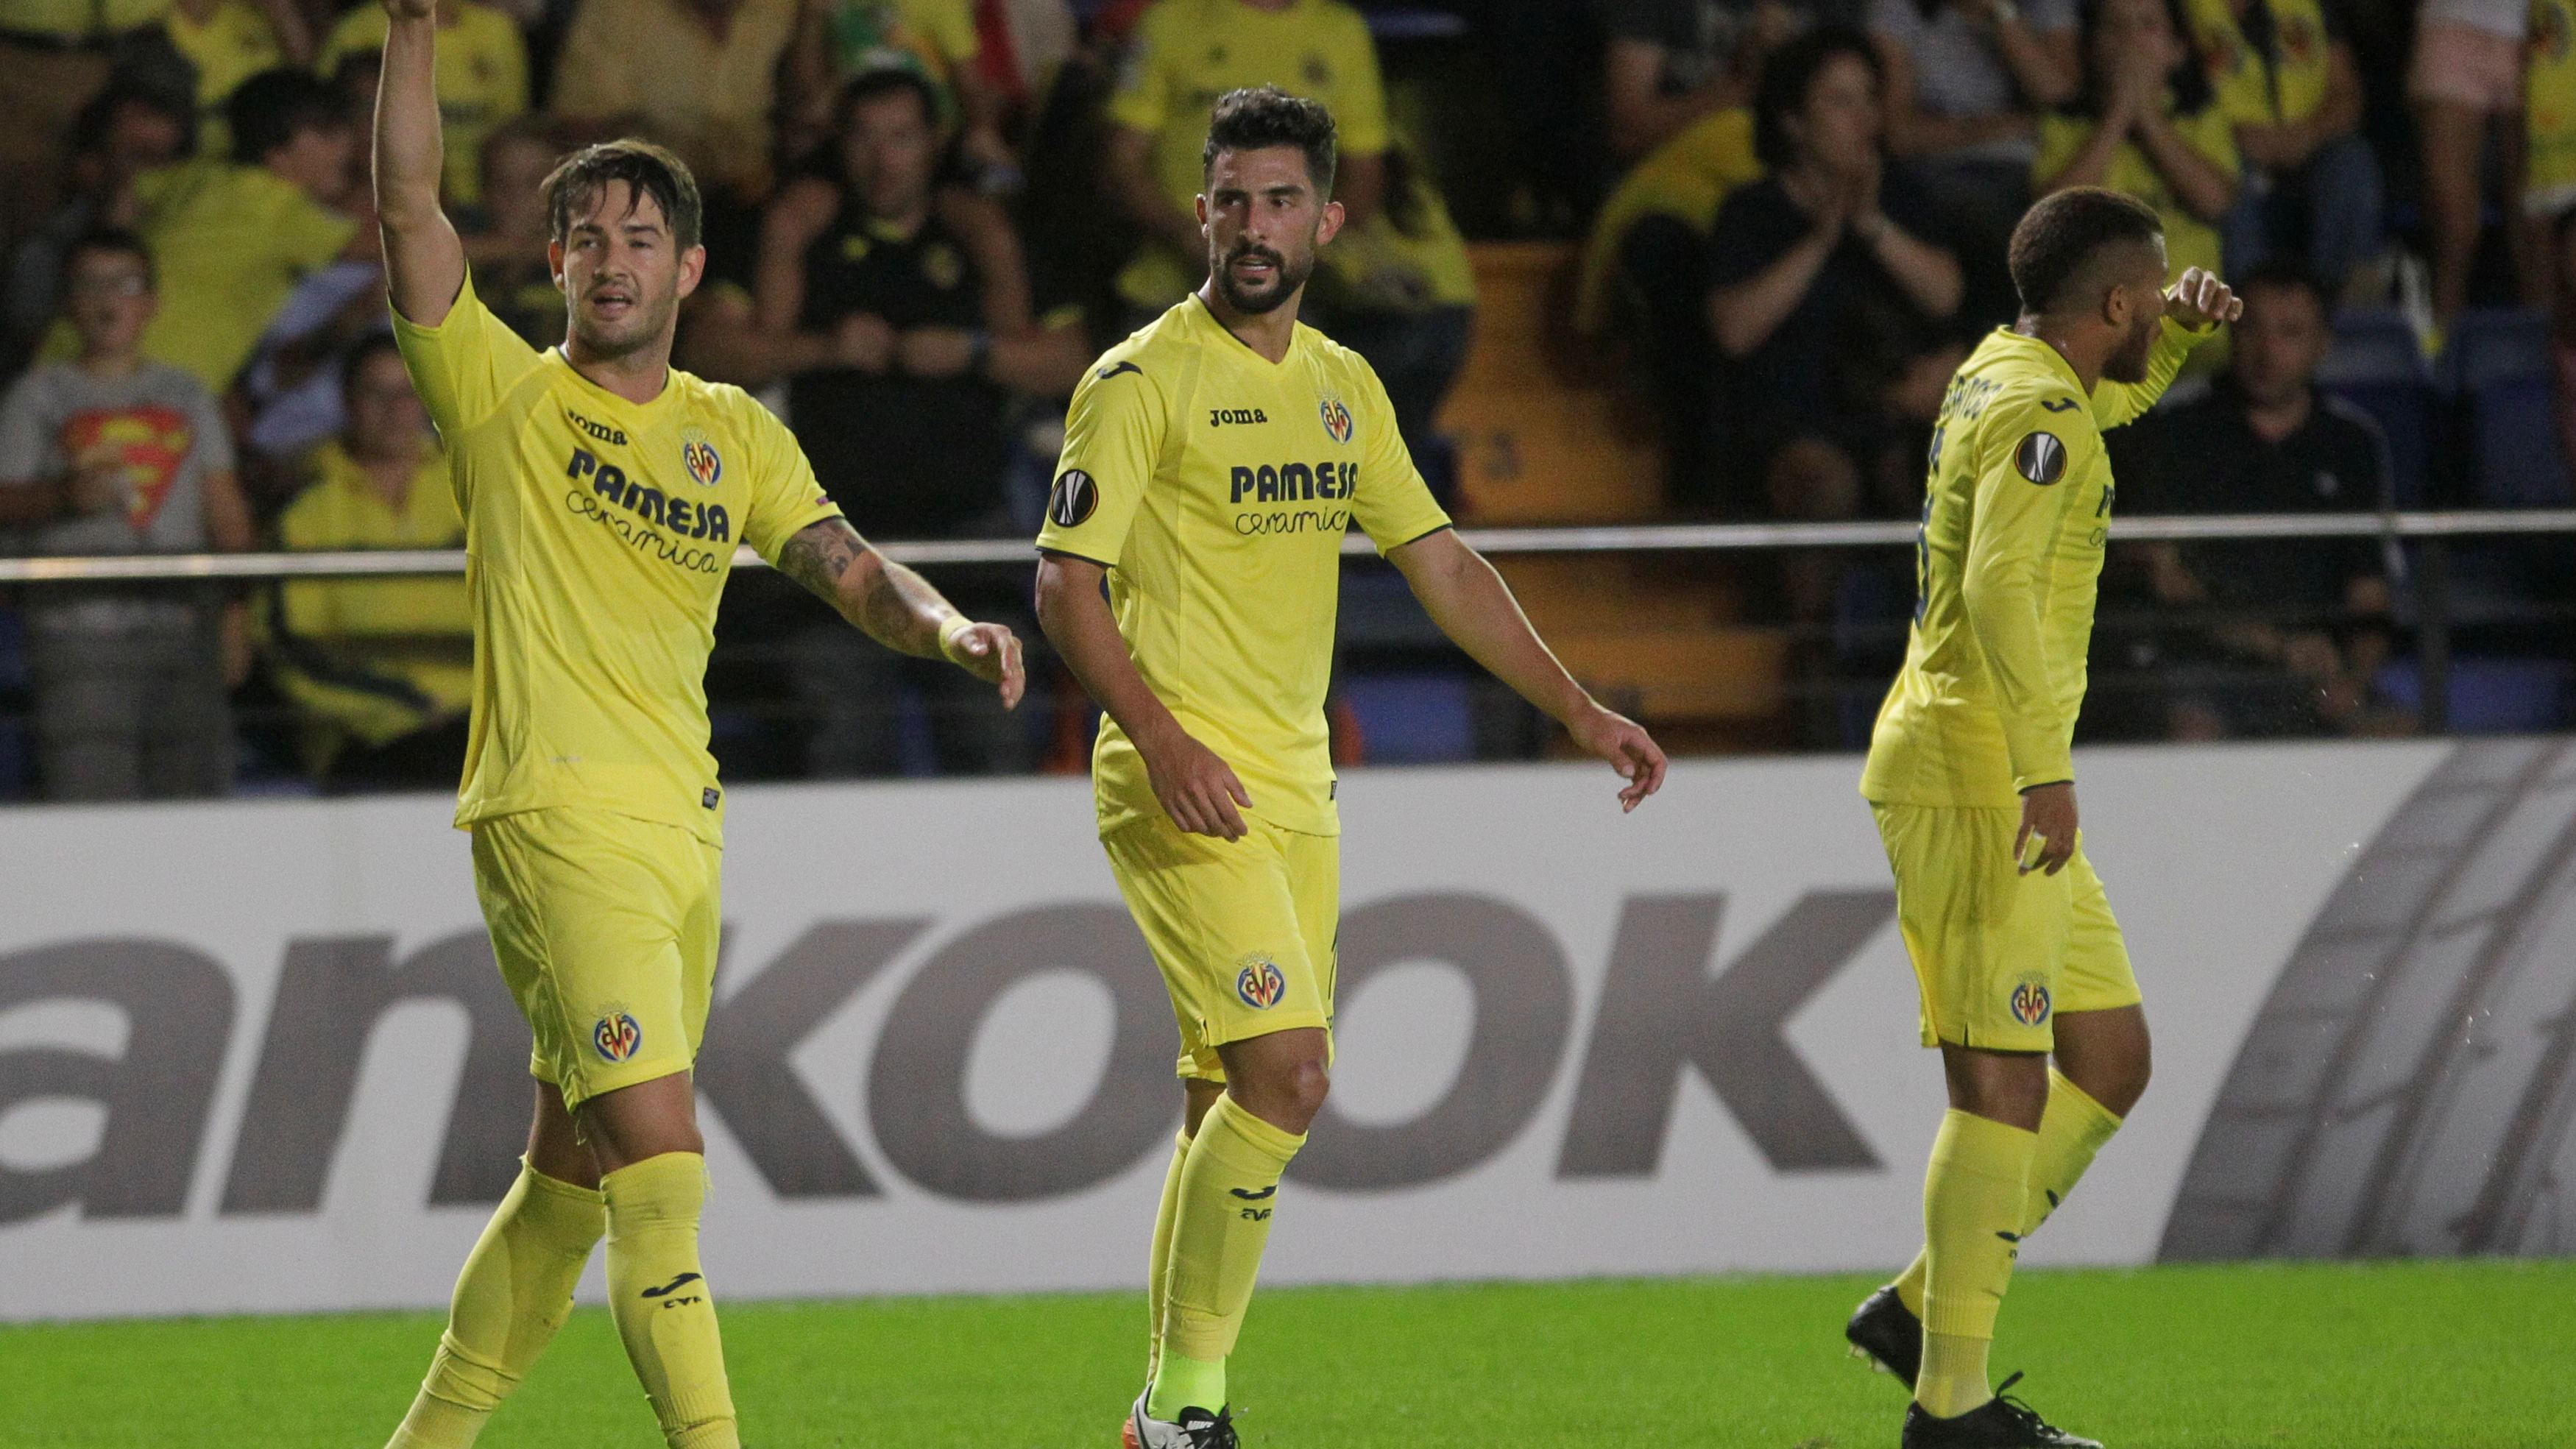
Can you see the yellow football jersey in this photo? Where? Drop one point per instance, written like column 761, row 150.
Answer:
column 2016, row 509
column 1187, row 53
column 1216, row 485
column 2249, row 88
column 2549, row 109
column 598, row 534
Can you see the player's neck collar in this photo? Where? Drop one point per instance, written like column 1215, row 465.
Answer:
column 1296, row 332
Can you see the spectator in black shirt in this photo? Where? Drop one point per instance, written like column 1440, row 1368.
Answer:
column 1829, row 248
column 2264, row 636
column 900, row 309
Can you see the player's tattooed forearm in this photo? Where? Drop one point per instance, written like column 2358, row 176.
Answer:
column 888, row 611
column 819, row 554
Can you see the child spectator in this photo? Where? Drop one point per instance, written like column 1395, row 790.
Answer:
column 233, row 238
column 2147, row 122
column 2286, row 75
column 1829, row 232
column 126, row 131
column 482, row 77
column 112, row 454
column 381, row 670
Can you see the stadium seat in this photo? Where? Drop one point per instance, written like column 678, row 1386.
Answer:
column 2376, row 366
column 2490, row 696
column 1412, row 719
column 2498, row 365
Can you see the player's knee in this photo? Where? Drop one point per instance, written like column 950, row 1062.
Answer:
column 1287, row 1094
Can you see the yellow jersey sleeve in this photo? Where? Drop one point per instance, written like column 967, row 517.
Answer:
column 1142, row 99
column 464, row 366
column 1359, row 112
column 1113, row 441
column 2117, row 403
column 785, row 498
column 2004, row 588
column 1393, row 506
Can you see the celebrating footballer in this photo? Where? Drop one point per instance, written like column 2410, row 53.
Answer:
column 2015, row 950
column 604, row 493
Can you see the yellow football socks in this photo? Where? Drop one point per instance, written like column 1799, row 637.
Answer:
column 1973, row 1197
column 1220, row 1223
column 2071, row 1133
column 515, row 1292
column 1159, row 1267
column 660, row 1301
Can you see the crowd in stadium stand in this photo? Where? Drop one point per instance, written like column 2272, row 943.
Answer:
column 925, row 216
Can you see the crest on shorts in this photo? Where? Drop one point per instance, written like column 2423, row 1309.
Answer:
column 2029, row 1002
column 616, row 1037
column 1337, row 419
column 1259, row 983
column 700, row 457
column 2041, row 458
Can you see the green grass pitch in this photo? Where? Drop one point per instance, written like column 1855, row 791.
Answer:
column 2385, row 1356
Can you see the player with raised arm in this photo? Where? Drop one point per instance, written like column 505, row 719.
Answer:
column 1212, row 463
column 604, row 493
column 2014, row 945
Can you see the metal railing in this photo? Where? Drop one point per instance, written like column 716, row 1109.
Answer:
column 2430, row 532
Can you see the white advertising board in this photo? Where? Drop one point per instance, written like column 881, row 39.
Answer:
column 253, row 1056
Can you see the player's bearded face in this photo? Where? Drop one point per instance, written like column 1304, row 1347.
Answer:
column 2129, row 364
column 1264, row 222
column 622, row 275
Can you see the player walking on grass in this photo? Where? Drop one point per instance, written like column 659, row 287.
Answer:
column 2013, row 943
column 1211, row 465
column 603, row 494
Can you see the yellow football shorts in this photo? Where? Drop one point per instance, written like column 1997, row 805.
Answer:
column 1242, row 930
column 606, row 930
column 1998, row 954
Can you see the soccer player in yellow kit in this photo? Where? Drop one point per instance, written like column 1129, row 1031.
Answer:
column 1211, row 465
column 2014, row 946
column 604, row 494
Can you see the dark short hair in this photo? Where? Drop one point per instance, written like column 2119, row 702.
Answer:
column 2289, row 275
column 647, row 170
column 272, row 107
column 110, row 241
column 91, row 126
column 1790, row 73
column 363, row 351
column 2061, row 235
column 879, row 81
column 1257, row 118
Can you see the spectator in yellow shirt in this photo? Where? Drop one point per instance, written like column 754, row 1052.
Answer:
column 699, row 76
column 381, row 670
column 228, row 42
column 233, row 238
column 2146, row 122
column 482, row 77
column 2286, row 77
column 1184, row 54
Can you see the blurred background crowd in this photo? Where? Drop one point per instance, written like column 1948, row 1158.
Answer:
column 1628, row 261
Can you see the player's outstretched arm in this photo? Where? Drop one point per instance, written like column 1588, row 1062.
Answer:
column 1199, row 790
column 897, row 607
column 1475, row 608
column 424, row 262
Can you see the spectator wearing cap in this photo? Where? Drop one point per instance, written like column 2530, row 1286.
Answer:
column 381, row 671
column 2272, row 636
column 112, row 453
